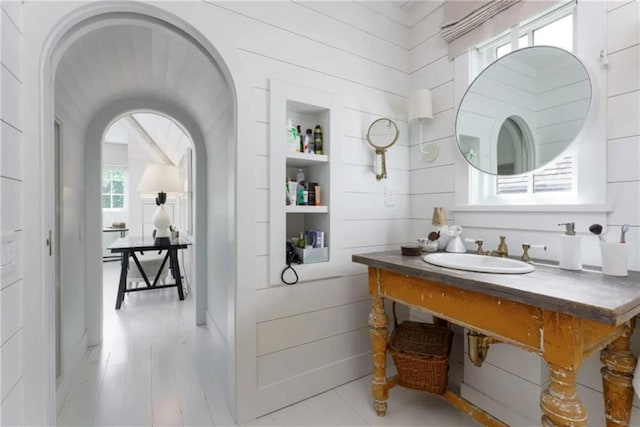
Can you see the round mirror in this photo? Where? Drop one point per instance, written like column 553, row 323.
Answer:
column 523, row 110
column 382, row 134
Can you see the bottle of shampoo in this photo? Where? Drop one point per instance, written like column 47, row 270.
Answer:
column 570, row 248
column 317, row 139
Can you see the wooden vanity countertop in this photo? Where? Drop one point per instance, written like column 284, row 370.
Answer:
column 587, row 294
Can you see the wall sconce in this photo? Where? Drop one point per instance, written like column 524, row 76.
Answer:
column 420, row 108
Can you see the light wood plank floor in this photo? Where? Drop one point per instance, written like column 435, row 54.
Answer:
column 156, row 368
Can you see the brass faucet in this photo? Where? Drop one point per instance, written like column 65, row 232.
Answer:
column 502, row 251
column 525, row 251
column 480, row 251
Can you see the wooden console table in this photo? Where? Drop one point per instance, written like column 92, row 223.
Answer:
column 563, row 316
column 128, row 246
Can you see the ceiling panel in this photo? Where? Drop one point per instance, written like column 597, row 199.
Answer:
column 115, row 62
column 167, row 135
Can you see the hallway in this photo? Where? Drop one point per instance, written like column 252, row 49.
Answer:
column 155, row 368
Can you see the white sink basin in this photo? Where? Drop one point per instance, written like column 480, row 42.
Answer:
column 478, row 263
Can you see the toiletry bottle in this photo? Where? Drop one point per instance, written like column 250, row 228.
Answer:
column 309, row 141
column 311, row 187
column 317, row 139
column 300, row 176
column 292, row 140
column 288, row 192
column 305, row 143
column 318, row 188
column 570, row 248
column 301, row 140
column 301, row 190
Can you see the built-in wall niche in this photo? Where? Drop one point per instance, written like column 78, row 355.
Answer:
column 306, row 108
column 313, row 163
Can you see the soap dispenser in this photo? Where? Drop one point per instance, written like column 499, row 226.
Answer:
column 570, row 248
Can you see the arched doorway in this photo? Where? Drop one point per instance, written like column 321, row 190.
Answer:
column 83, row 21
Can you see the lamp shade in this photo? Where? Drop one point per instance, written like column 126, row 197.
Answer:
column 420, row 106
column 161, row 178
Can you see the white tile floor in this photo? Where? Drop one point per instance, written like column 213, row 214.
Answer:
column 156, row 368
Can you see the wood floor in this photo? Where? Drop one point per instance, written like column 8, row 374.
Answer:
column 156, row 368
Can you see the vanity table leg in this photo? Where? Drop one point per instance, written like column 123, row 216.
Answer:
column 560, row 404
column 617, row 374
column 378, row 322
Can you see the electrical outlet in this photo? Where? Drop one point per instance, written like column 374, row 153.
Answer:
column 388, row 197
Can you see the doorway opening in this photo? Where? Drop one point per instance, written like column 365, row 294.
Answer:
column 134, row 145
column 143, row 69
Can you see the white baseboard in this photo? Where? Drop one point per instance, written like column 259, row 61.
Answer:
column 279, row 395
column 70, row 372
column 214, row 331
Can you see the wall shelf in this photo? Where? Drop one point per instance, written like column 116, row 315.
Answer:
column 307, row 108
column 306, row 209
column 305, row 159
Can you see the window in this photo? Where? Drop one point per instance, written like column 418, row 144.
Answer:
column 113, row 188
column 555, row 28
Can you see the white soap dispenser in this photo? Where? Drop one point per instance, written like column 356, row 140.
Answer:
column 570, row 248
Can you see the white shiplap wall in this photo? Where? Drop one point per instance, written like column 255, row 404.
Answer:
column 623, row 120
column 432, row 184
column 11, row 123
column 314, row 335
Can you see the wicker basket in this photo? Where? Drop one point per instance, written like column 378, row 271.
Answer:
column 421, row 354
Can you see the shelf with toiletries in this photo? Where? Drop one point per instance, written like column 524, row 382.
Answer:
column 303, row 126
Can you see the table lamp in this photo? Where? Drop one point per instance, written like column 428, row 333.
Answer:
column 161, row 179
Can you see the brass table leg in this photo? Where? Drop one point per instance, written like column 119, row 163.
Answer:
column 378, row 322
column 617, row 375
column 560, row 404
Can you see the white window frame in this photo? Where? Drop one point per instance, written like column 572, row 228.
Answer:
column 476, row 190
column 485, row 184
column 125, row 183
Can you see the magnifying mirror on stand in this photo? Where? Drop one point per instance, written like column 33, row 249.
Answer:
column 382, row 134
